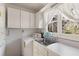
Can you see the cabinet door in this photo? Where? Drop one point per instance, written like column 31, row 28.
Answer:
column 42, row 51
column 13, row 16
column 52, row 53
column 35, row 49
column 27, row 48
column 39, row 50
column 39, row 20
column 32, row 20
column 25, row 19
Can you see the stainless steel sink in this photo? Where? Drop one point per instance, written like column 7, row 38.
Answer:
column 46, row 41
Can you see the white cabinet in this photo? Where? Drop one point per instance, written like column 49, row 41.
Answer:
column 35, row 49
column 25, row 19
column 52, row 53
column 13, row 16
column 20, row 19
column 32, row 20
column 27, row 48
column 38, row 49
column 39, row 20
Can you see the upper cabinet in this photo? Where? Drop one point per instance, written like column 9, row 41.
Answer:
column 18, row 18
column 39, row 20
column 25, row 19
column 13, row 16
column 32, row 20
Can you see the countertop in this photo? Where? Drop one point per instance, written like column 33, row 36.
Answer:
column 64, row 50
column 59, row 48
column 27, row 39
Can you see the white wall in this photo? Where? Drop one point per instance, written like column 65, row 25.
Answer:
column 72, row 40
column 2, row 21
column 2, row 29
column 14, row 37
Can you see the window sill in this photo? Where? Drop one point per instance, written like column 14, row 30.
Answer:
column 74, row 37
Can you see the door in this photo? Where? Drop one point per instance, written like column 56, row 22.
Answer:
column 32, row 20
column 13, row 16
column 42, row 51
column 35, row 49
column 25, row 19
column 39, row 20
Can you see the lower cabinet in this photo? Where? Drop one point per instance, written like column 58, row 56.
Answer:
column 38, row 49
column 52, row 53
column 27, row 48
column 33, row 48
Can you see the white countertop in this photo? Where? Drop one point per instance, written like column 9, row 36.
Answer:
column 59, row 48
column 27, row 39
column 64, row 50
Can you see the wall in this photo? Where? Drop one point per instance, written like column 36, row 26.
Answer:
column 69, row 42
column 2, row 22
column 13, row 40
column 68, row 39
column 2, row 29
column 72, row 40
column 29, row 31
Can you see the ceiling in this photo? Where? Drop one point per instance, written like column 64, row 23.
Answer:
column 32, row 6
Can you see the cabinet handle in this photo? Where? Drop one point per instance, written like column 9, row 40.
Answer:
column 24, row 44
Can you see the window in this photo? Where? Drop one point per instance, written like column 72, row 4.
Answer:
column 52, row 26
column 70, row 27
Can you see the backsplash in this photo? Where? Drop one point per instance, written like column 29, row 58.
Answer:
column 14, row 34
column 69, row 42
column 29, row 32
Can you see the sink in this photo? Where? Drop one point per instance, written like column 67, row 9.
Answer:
column 45, row 41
